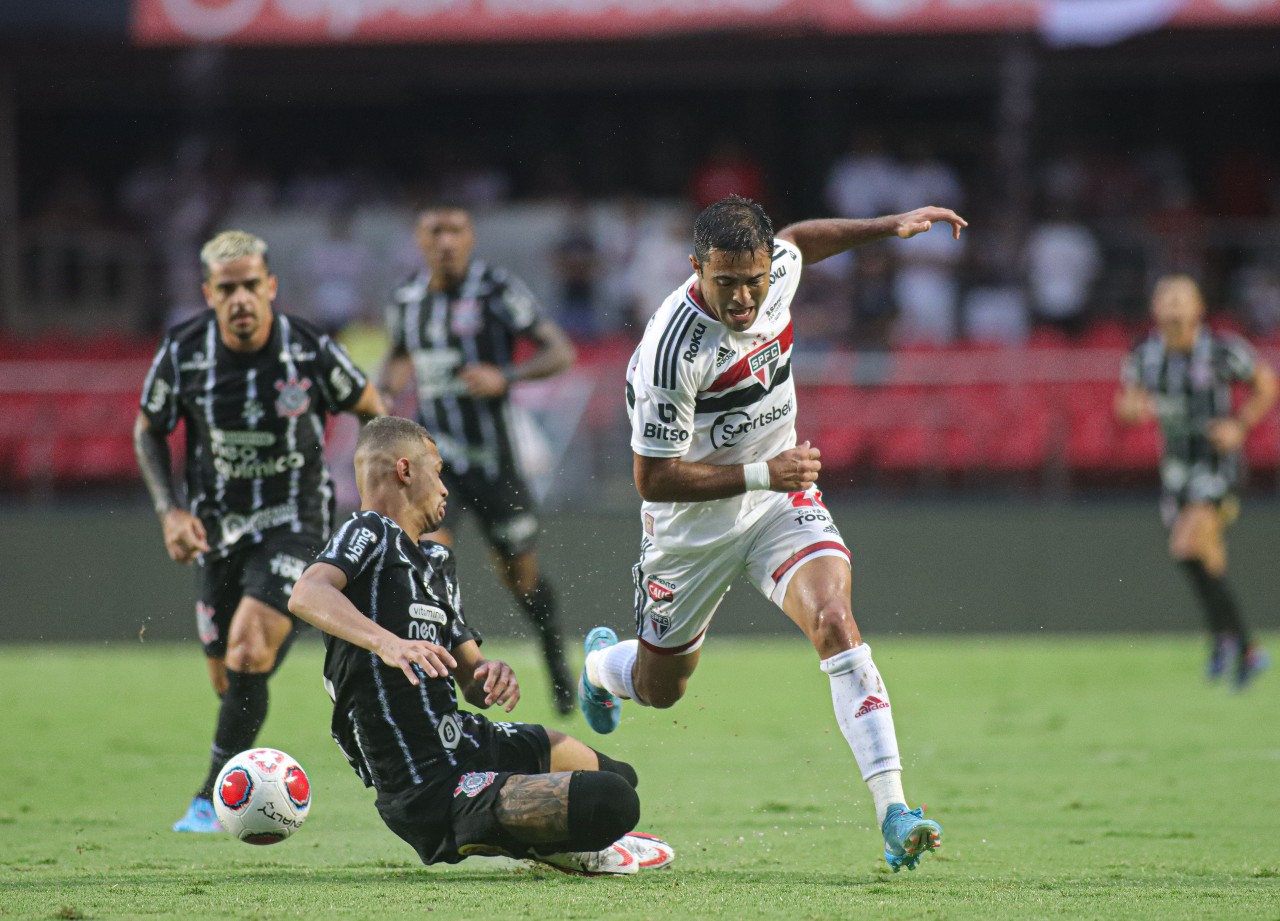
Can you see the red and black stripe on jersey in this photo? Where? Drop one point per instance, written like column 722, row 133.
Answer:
column 254, row 425
column 396, row 736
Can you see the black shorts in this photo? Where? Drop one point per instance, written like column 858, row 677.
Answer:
column 502, row 503
column 265, row 571
column 452, row 815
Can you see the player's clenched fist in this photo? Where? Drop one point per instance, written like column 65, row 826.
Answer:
column 795, row 469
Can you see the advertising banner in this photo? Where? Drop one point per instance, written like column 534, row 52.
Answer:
column 319, row 22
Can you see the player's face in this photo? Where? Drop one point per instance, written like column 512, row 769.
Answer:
column 240, row 292
column 734, row 285
column 1177, row 309
column 428, row 491
column 446, row 241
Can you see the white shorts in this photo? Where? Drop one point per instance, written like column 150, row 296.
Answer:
column 677, row 593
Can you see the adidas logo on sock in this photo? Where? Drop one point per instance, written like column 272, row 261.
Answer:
column 871, row 703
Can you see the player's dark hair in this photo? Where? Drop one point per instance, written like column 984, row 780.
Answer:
column 386, row 433
column 732, row 225
column 434, row 205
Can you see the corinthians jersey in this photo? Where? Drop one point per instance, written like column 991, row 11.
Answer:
column 442, row 331
column 254, row 425
column 396, row 736
column 700, row 391
column 1191, row 390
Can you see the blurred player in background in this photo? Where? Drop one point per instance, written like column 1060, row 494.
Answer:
column 450, row 783
column 728, row 492
column 254, row 388
column 1182, row 375
column 453, row 328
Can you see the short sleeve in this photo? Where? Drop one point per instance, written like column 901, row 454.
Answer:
column 355, row 545
column 664, row 386
column 159, row 402
column 516, row 307
column 1239, row 358
column 343, row 382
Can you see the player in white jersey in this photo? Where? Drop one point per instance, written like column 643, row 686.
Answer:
column 728, row 492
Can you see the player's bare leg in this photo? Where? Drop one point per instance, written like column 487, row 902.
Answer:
column 1198, row 543
column 613, row 672
column 817, row 599
column 523, row 578
column 254, row 640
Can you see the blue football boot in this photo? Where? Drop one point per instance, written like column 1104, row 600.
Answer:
column 199, row 817
column 907, row 835
column 602, row 710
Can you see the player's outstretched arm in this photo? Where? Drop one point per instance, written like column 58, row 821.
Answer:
column 317, row 598
column 485, row 682
column 819, row 239
column 670, row 479
column 184, row 533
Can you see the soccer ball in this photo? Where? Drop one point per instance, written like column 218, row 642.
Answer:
column 262, row 796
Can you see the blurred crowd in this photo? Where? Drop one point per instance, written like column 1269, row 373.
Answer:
column 1093, row 229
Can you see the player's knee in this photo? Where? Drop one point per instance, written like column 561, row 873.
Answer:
column 602, row 808
column 621, row 768
column 661, row 696
column 251, row 657
column 833, row 628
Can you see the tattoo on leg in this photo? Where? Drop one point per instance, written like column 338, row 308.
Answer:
column 534, row 808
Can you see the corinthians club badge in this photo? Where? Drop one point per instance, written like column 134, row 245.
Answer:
column 293, row 400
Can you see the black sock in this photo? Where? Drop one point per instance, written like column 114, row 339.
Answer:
column 243, row 710
column 602, row 808
column 1222, row 614
column 540, row 605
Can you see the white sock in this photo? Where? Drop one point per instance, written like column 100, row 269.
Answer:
column 862, row 710
column 610, row 668
column 886, row 789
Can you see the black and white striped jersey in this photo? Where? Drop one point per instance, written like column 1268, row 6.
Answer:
column 1191, row 389
column 396, row 736
column 254, row 425
column 441, row 331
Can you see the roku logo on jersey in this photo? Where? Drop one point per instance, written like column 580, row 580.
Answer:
column 695, row 343
column 729, row 428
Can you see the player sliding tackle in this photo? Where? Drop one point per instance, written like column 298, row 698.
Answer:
column 728, row 492
column 450, row 783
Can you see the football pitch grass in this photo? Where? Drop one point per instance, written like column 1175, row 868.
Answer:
column 1076, row 777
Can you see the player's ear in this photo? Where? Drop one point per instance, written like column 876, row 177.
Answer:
column 404, row 469
column 697, row 266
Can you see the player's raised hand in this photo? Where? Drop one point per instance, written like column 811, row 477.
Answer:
column 499, row 684
column 418, row 659
column 795, row 469
column 921, row 219
column 184, row 535
column 483, row 380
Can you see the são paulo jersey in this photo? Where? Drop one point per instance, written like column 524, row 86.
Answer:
column 700, row 391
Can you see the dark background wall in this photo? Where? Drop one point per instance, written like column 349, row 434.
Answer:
column 102, row 575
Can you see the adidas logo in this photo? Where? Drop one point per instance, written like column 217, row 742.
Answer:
column 723, row 355
column 871, row 703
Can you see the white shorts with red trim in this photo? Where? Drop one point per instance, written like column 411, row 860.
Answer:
column 677, row 594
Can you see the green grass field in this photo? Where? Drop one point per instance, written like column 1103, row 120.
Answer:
column 1076, row 778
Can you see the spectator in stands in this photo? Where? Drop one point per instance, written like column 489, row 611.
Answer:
column 727, row 170
column 865, row 180
column 658, row 265
column 576, row 259
column 338, row 267
column 1063, row 260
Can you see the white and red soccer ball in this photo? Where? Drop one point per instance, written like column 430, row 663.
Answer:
column 262, row 796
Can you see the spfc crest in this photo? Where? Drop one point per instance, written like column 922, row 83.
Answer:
column 293, row 400
column 661, row 590
column 661, row 622
column 466, row 317
column 763, row 362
